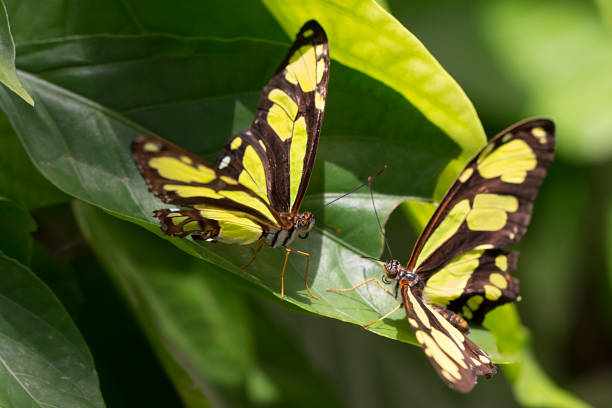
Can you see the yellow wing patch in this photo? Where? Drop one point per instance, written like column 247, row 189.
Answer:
column 296, row 156
column 282, row 114
column 253, row 176
column 319, row 101
column 418, row 310
column 490, row 211
column 174, row 169
column 449, row 282
column 186, row 191
column 302, row 68
column 447, row 228
column 511, row 161
column 236, row 228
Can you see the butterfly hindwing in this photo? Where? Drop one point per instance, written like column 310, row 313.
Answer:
column 490, row 204
column 181, row 178
column 457, row 359
column 490, row 286
column 275, row 155
column 474, row 283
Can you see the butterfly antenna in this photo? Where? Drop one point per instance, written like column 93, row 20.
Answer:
column 372, row 258
column 353, row 190
column 376, row 213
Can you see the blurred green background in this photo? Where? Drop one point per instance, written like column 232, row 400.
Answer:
column 131, row 294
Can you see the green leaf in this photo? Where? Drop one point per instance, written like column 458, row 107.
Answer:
column 530, row 384
column 367, row 38
column 198, row 324
column 97, row 93
column 533, row 388
column 608, row 241
column 20, row 181
column 187, row 18
column 605, row 10
column 44, row 361
column 8, row 74
column 15, row 240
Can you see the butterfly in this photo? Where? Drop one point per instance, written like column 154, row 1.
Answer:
column 459, row 268
column 254, row 191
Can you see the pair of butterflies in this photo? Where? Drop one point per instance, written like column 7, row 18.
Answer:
column 458, row 268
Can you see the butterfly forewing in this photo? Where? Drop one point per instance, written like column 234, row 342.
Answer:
column 457, row 359
column 274, row 157
column 261, row 176
column 490, row 204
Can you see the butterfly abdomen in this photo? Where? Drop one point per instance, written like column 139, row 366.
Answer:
column 281, row 237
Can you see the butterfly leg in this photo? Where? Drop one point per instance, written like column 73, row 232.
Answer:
column 452, row 317
column 255, row 251
column 307, row 255
column 379, row 283
column 380, row 319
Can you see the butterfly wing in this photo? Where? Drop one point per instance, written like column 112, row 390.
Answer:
column 457, row 360
column 217, row 204
column 474, row 283
column 274, row 156
column 489, row 205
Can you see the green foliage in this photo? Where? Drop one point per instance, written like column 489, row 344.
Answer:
column 102, row 72
column 45, row 361
column 99, row 169
column 8, row 74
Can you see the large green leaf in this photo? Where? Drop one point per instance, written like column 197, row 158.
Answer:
column 196, row 322
column 20, row 181
column 366, row 37
column 8, row 74
column 44, row 361
column 64, row 18
column 369, row 39
column 95, row 94
column 530, row 384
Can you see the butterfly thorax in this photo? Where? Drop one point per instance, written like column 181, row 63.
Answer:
column 293, row 225
column 403, row 277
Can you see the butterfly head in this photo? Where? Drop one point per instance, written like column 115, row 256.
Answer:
column 395, row 271
column 304, row 224
column 392, row 269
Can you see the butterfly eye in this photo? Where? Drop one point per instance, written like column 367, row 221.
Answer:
column 306, row 221
column 392, row 268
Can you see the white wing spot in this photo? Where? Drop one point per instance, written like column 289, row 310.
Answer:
column 224, row 162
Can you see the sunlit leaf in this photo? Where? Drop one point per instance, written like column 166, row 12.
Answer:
column 8, row 74
column 367, row 38
column 45, row 362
